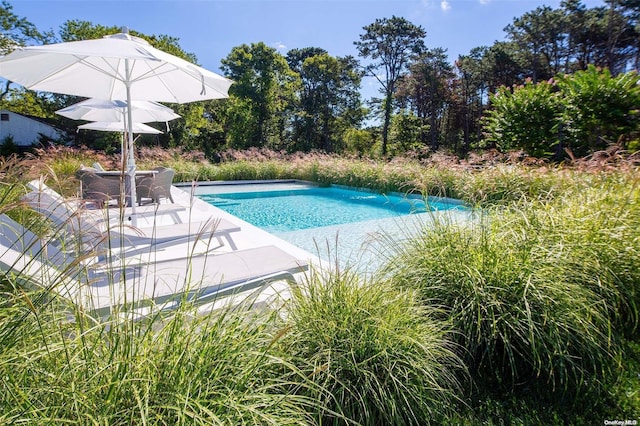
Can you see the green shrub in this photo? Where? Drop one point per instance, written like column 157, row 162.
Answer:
column 599, row 109
column 525, row 117
column 8, row 147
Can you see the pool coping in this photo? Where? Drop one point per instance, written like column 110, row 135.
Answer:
column 242, row 182
column 444, row 200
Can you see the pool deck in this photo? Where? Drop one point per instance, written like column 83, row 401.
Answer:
column 192, row 209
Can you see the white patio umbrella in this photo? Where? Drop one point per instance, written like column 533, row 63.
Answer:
column 107, row 110
column 101, row 112
column 114, row 126
column 121, row 127
column 118, row 66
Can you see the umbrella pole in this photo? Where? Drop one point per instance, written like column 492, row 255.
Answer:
column 131, row 166
column 123, row 150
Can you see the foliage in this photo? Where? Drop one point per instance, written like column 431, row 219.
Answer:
column 390, row 43
column 519, row 316
column 599, row 109
column 264, row 85
column 427, row 91
column 376, row 355
column 15, row 30
column 482, row 179
column 406, row 133
column 525, row 117
column 8, row 146
column 358, row 141
column 27, row 103
column 541, row 291
column 329, row 101
column 312, row 102
column 583, row 112
column 177, row 370
column 540, row 39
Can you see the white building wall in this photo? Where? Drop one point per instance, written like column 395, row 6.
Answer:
column 24, row 130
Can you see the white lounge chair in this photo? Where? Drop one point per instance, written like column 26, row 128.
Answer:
column 95, row 233
column 144, row 289
column 15, row 236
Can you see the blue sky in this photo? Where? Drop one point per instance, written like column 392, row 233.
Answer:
column 210, row 29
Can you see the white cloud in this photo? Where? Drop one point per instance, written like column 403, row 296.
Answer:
column 278, row 45
column 445, row 5
column 485, row 1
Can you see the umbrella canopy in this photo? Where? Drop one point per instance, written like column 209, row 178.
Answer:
column 116, row 111
column 114, row 126
column 118, row 66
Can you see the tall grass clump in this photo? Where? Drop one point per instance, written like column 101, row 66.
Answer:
column 11, row 188
column 520, row 316
column 376, row 355
column 541, row 291
column 178, row 370
column 506, row 184
column 598, row 224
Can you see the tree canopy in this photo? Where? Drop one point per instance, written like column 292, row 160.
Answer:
column 390, row 43
column 306, row 99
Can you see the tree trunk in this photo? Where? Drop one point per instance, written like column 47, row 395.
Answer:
column 387, row 121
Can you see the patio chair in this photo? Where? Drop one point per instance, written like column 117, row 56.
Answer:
column 162, row 285
column 98, row 189
column 93, row 232
column 42, row 251
column 15, row 236
column 156, row 186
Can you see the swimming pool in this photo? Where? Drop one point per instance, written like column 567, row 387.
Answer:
column 330, row 222
column 315, row 207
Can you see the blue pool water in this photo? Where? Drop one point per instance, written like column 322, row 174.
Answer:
column 332, row 223
column 313, row 207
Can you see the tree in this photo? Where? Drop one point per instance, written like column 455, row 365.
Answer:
column 391, row 44
column 16, row 31
column 502, row 66
column 631, row 9
column 470, row 94
column 541, row 41
column 622, row 34
column 264, row 87
column 328, row 101
column 405, row 133
column 427, row 88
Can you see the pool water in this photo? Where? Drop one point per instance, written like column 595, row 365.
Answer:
column 335, row 223
column 298, row 209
